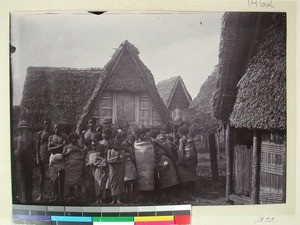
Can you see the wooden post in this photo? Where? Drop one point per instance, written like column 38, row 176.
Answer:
column 255, row 169
column 213, row 157
column 228, row 161
column 218, row 145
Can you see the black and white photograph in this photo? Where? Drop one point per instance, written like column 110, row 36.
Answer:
column 148, row 108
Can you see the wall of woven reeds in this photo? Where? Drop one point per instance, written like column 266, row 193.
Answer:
column 272, row 168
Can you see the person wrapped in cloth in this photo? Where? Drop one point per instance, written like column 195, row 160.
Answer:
column 96, row 160
column 145, row 164
column 115, row 160
column 56, row 144
column 187, row 160
column 74, row 159
column 89, row 140
column 24, row 156
column 130, row 169
column 166, row 171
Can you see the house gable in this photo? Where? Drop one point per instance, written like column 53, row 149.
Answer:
column 121, row 73
column 179, row 98
column 125, row 76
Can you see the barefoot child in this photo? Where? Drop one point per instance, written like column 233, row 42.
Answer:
column 74, row 157
column 115, row 160
column 130, row 169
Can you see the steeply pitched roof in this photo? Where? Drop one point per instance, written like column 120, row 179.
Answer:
column 200, row 112
column 261, row 98
column 57, row 93
column 166, row 89
column 238, row 34
column 135, row 72
column 252, row 90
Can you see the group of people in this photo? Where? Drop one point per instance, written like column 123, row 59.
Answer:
column 104, row 164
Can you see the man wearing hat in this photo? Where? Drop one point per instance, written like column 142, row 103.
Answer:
column 24, row 149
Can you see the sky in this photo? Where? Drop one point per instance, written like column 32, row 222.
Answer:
column 170, row 44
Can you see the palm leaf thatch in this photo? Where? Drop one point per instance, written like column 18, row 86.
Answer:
column 167, row 88
column 125, row 72
column 58, row 94
column 201, row 109
column 261, row 98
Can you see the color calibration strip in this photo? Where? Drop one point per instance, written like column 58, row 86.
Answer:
column 142, row 215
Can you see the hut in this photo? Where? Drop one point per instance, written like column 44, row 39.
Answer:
column 126, row 91
column 200, row 112
column 176, row 98
column 58, row 94
column 251, row 102
column 201, row 118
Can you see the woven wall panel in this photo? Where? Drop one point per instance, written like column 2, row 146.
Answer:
column 272, row 172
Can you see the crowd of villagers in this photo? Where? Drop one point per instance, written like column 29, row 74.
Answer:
column 104, row 164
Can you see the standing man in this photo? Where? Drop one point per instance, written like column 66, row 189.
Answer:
column 56, row 144
column 24, row 156
column 91, row 134
column 43, row 154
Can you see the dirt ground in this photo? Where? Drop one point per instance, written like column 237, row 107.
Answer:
column 205, row 192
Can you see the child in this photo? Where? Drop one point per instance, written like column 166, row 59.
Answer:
column 97, row 162
column 167, row 176
column 115, row 160
column 130, row 170
column 74, row 157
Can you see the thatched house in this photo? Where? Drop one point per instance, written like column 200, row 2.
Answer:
column 124, row 90
column 201, row 118
column 176, row 98
column 251, row 101
column 200, row 112
column 15, row 115
column 58, row 94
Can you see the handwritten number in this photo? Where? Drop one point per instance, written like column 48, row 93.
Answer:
column 263, row 219
column 260, row 3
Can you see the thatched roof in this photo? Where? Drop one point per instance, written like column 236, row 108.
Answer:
column 261, row 98
column 125, row 71
column 201, row 109
column 166, row 89
column 57, row 93
column 238, row 34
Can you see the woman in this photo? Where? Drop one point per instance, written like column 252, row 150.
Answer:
column 74, row 157
column 167, row 176
column 145, row 164
column 187, row 159
column 98, row 165
column 115, row 160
